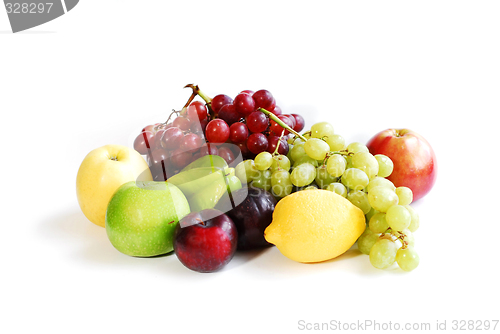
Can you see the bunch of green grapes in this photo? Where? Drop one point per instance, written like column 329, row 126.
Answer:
column 320, row 159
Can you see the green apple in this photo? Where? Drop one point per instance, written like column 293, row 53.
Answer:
column 102, row 172
column 141, row 217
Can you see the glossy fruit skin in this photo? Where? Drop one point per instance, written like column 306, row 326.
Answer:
column 205, row 241
column 141, row 217
column 101, row 173
column 220, row 100
column 217, row 131
column 264, row 99
column 299, row 122
column 415, row 164
column 229, row 114
column 244, row 104
column 251, row 216
column 145, row 142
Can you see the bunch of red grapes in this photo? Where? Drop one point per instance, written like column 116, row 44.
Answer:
column 212, row 128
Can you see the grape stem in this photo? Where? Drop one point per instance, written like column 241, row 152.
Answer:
column 197, row 91
column 281, row 123
column 279, row 143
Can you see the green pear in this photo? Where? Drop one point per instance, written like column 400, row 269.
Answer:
column 191, row 181
column 141, row 217
column 213, row 161
column 209, row 196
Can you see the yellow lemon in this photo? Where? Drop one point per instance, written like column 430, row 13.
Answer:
column 314, row 225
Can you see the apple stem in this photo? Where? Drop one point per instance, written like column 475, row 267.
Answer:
column 197, row 91
column 201, row 221
column 281, row 123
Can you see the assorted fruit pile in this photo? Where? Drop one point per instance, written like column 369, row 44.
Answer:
column 241, row 176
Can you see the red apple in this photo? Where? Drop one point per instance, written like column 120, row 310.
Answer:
column 414, row 160
column 205, row 241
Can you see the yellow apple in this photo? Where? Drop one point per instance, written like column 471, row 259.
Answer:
column 102, row 172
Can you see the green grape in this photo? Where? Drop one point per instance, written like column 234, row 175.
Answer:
column 297, row 151
column 398, row 218
column 378, row 223
column 356, row 147
column 316, row 148
column 405, row 195
column 246, row 171
column 323, row 178
column 307, row 135
column 263, row 160
column 336, row 142
column 303, row 175
column 280, row 161
column 348, row 160
column 359, row 199
column 385, row 165
column 378, row 181
column 415, row 219
column 409, row 238
column 289, row 154
column 281, row 185
column 337, row 188
column 370, row 214
column 355, row 179
column 305, row 159
column 321, row 129
column 383, row 253
column 310, row 187
column 382, row 198
column 336, row 165
column 407, row 258
column 366, row 241
column 263, row 180
column 366, row 162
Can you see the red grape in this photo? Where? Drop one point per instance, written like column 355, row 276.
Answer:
column 144, row 142
column 159, row 164
column 180, row 158
column 151, row 128
column 241, row 148
column 247, row 91
column 264, row 99
column 226, row 153
column 191, row 142
column 273, row 142
column 291, row 118
column 172, row 138
column 182, row 123
column 208, row 149
column 158, row 136
column 257, row 122
column 299, row 122
column 244, row 104
column 229, row 114
column 197, row 110
column 238, row 133
column 277, row 129
column 219, row 101
column 217, row 131
column 257, row 143
column 277, row 111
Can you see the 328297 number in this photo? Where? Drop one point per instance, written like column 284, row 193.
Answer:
column 28, row 8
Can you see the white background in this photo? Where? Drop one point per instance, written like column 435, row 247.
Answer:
column 107, row 68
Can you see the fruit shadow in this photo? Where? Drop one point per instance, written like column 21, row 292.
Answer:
column 77, row 237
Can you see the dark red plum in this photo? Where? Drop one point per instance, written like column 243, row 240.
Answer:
column 251, row 216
